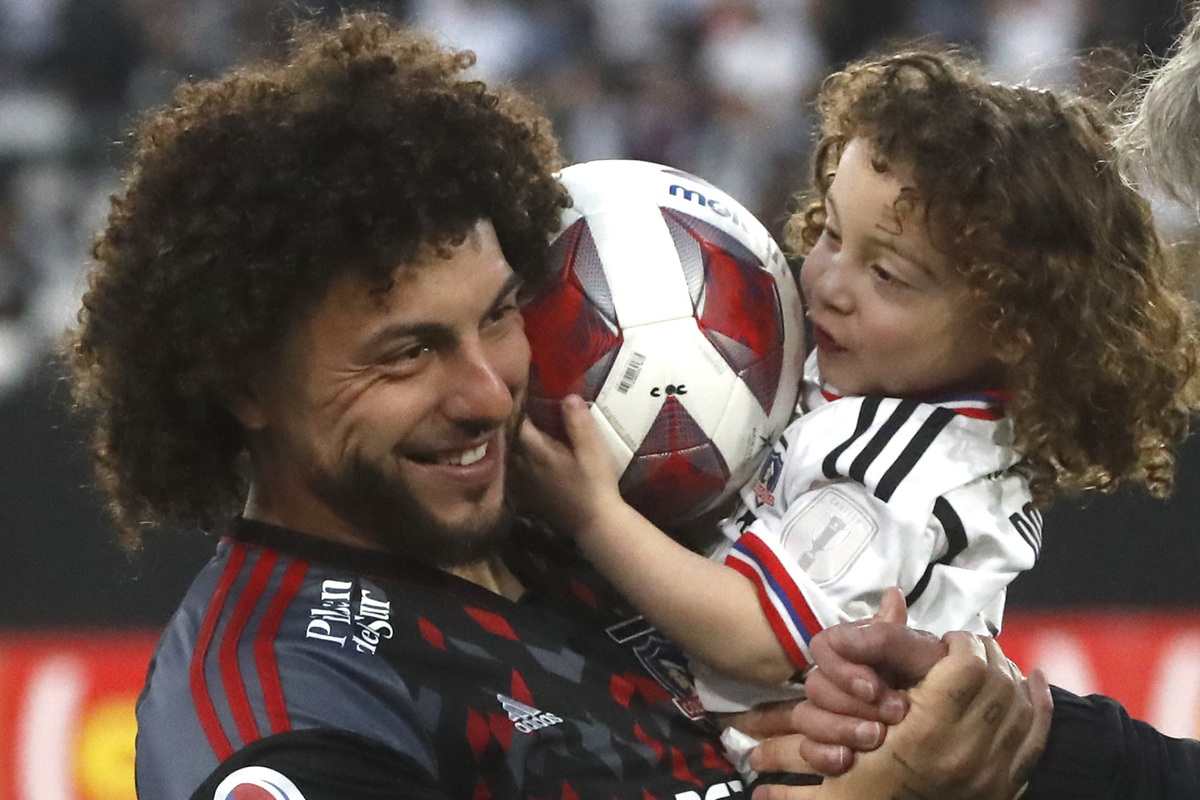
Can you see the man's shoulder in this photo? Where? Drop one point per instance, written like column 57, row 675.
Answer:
column 265, row 643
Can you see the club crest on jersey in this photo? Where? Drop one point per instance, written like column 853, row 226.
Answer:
column 257, row 783
column 768, row 478
column 527, row 719
column 663, row 660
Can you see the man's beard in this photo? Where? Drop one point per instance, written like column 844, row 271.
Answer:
column 388, row 511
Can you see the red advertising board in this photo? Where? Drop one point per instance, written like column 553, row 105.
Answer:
column 1150, row 661
column 67, row 700
column 66, row 714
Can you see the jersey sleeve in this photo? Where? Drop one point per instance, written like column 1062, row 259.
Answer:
column 988, row 533
column 1096, row 751
column 252, row 664
column 867, row 493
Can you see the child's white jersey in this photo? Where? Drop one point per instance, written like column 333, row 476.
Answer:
column 863, row 493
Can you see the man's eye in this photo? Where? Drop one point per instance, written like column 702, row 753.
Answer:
column 411, row 353
column 502, row 311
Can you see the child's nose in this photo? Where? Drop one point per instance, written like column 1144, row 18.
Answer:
column 833, row 288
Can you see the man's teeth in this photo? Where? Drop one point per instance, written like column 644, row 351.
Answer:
column 466, row 457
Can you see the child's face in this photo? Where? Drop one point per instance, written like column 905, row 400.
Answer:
column 890, row 314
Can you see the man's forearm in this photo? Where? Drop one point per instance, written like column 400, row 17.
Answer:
column 1096, row 751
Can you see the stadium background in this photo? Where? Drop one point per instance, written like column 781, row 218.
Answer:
column 716, row 87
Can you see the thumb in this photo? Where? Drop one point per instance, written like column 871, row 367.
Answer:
column 586, row 439
column 892, row 607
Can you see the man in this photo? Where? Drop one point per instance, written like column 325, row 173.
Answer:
column 305, row 310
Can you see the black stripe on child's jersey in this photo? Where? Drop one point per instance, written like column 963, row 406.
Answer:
column 866, row 415
column 858, row 468
column 912, row 452
column 956, row 542
column 1029, row 525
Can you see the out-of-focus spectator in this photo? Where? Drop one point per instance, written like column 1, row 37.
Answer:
column 1034, row 39
column 719, row 88
column 499, row 31
column 762, row 62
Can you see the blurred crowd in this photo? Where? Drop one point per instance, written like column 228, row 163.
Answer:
column 719, row 88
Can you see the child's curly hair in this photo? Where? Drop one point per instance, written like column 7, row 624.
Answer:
column 1020, row 187
column 359, row 150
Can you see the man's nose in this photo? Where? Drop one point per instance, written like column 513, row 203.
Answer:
column 477, row 389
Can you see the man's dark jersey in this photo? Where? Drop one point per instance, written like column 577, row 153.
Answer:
column 299, row 669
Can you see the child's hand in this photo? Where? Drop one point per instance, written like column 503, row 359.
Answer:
column 568, row 486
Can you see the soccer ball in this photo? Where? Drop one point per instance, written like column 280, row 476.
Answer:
column 678, row 319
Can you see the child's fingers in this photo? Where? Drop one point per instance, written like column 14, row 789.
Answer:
column 837, row 730
column 823, row 690
column 586, row 439
column 533, row 446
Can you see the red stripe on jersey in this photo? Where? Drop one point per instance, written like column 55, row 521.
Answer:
column 492, row 622
column 621, row 690
column 227, row 655
column 711, row 759
column 990, row 413
column 502, row 729
column 519, row 690
column 781, row 631
column 431, row 634
column 649, row 741
column 478, row 732
column 787, row 592
column 264, row 647
column 679, row 768
column 205, row 710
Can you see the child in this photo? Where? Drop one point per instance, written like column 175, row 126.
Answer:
column 993, row 324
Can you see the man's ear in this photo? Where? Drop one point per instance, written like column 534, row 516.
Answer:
column 245, row 399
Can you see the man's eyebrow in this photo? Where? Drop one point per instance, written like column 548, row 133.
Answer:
column 435, row 332
column 432, row 332
column 514, row 284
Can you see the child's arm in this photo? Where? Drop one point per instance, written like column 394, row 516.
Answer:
column 707, row 609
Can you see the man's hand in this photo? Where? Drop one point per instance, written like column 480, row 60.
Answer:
column 855, row 690
column 982, row 749
column 974, row 731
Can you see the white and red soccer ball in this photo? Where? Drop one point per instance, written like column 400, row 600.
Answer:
column 678, row 319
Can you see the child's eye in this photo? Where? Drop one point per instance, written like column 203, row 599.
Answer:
column 883, row 276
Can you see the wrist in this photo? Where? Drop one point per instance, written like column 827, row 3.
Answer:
column 600, row 534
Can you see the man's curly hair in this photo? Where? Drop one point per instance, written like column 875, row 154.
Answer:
column 1020, row 188
column 363, row 148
